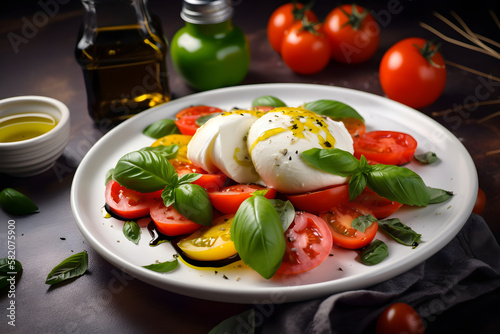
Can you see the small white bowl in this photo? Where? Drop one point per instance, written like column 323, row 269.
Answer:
column 36, row 155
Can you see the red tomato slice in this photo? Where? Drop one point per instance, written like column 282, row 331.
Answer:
column 380, row 206
column 340, row 219
column 211, row 182
column 229, row 199
column 186, row 118
column 355, row 126
column 321, row 200
column 169, row 221
column 308, row 243
column 127, row 203
column 386, row 147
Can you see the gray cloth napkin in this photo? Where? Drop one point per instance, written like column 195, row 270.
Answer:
column 467, row 267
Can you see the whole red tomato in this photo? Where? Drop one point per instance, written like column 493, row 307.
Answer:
column 353, row 32
column 399, row 318
column 305, row 48
column 480, row 202
column 283, row 18
column 413, row 72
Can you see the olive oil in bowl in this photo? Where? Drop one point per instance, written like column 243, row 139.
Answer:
column 23, row 126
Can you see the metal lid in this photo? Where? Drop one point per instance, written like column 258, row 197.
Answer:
column 206, row 11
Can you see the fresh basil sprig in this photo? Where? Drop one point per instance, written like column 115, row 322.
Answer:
column 400, row 232
column 375, row 253
column 161, row 128
column 73, row 266
column 269, row 101
column 16, row 203
column 258, row 235
column 333, row 109
column 192, row 201
column 395, row 183
column 163, row 267
column 132, row 231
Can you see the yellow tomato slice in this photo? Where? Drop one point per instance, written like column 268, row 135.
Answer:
column 175, row 139
column 210, row 243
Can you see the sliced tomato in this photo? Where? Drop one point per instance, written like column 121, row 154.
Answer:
column 386, row 147
column 381, row 207
column 127, row 203
column 169, row 221
column 229, row 199
column 321, row 200
column 308, row 243
column 211, row 182
column 175, row 139
column 343, row 234
column 186, row 118
column 355, row 126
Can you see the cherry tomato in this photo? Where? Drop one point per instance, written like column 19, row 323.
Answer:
column 321, row 200
column 413, row 72
column 176, row 139
column 169, row 221
column 229, row 199
column 480, row 202
column 127, row 203
column 282, row 19
column 308, row 243
column 186, row 118
column 210, row 243
column 305, row 51
column 380, row 206
column 353, row 32
column 399, row 318
column 340, row 218
column 385, row 147
column 355, row 126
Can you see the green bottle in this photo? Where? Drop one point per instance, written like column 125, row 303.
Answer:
column 209, row 51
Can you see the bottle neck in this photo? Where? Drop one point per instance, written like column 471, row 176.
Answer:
column 114, row 13
column 210, row 29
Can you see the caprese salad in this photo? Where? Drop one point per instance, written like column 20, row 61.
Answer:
column 271, row 185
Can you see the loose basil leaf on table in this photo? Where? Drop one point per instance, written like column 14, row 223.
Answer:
column 333, row 109
column 233, row 324
column 73, row 266
column 16, row 203
column 143, row 171
column 269, row 101
column 400, row 232
column 375, row 253
column 191, row 200
column 438, row 195
column 161, row 128
column 427, row 158
column 163, row 267
column 258, row 235
column 169, row 152
column 9, row 268
column 132, row 231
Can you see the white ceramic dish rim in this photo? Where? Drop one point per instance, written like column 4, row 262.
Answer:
column 454, row 219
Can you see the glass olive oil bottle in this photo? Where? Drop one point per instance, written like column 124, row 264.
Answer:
column 123, row 57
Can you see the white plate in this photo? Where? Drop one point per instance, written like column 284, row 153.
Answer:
column 437, row 223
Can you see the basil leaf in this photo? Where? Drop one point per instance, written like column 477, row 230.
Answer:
column 16, row 203
column 333, row 109
column 234, row 324
column 361, row 223
column 109, row 176
column 400, row 232
column 161, row 129
column 8, row 266
column 169, row 152
column 191, row 200
column 73, row 266
column 438, row 195
column 143, row 171
column 188, row 178
column 398, row 184
column 334, row 160
column 163, row 267
column 132, row 231
column 426, row 158
column 269, row 101
column 357, row 184
column 262, row 192
column 375, row 253
column 205, row 118
column 168, row 196
column 258, row 235
column 285, row 210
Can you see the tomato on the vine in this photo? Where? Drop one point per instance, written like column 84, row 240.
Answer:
column 399, row 318
column 283, row 18
column 353, row 32
column 305, row 48
column 413, row 72
column 385, row 147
